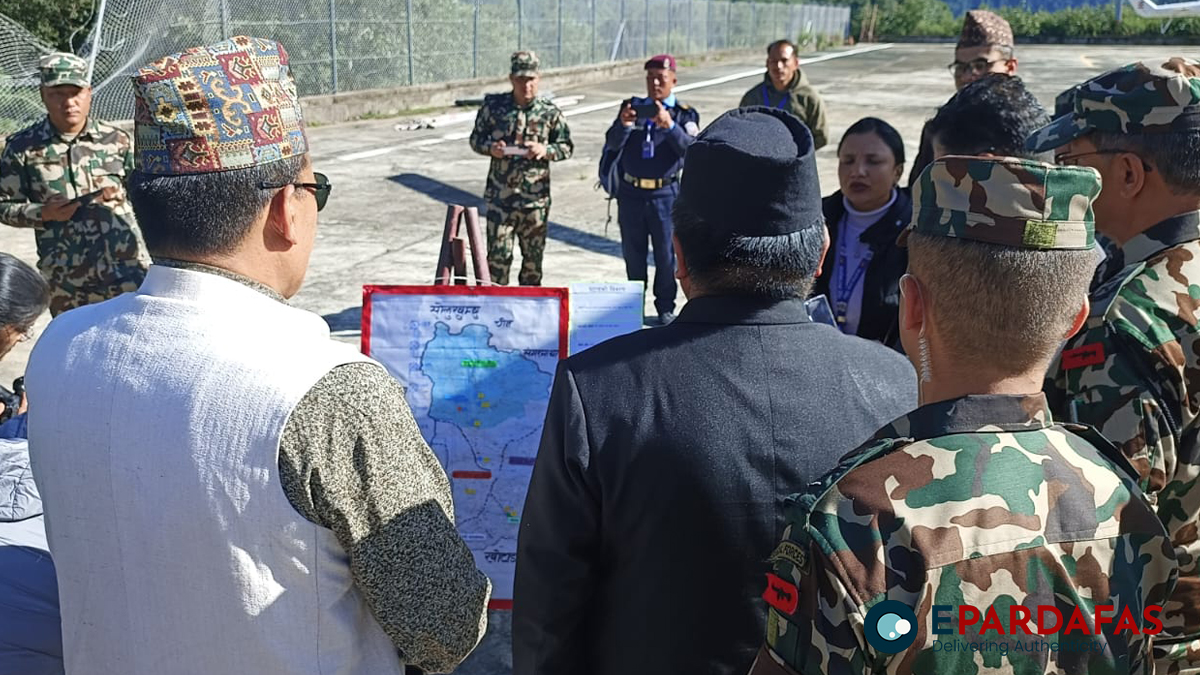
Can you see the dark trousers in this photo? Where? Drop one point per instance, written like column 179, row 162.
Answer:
column 646, row 221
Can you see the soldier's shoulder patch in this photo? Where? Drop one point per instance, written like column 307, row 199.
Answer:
column 791, row 552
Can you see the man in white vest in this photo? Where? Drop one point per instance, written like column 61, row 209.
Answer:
column 226, row 489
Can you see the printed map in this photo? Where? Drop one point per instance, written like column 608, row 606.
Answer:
column 478, row 369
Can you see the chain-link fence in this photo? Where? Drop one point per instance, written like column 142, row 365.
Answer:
column 339, row 46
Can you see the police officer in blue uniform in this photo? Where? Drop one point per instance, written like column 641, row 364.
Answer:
column 652, row 133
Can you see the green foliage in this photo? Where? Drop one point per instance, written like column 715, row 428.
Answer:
column 53, row 21
column 915, row 18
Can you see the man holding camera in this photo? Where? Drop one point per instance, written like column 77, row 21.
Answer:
column 652, row 134
column 64, row 177
column 522, row 133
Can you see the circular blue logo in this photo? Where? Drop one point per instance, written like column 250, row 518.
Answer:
column 891, row 627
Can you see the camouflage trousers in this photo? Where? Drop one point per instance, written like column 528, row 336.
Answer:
column 1177, row 659
column 69, row 294
column 529, row 226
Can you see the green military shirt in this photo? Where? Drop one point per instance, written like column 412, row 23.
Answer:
column 101, row 245
column 1133, row 372
column 980, row 501
column 516, row 182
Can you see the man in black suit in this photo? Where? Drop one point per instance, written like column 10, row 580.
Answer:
column 667, row 453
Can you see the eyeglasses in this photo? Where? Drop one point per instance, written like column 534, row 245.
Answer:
column 975, row 67
column 320, row 189
column 1073, row 160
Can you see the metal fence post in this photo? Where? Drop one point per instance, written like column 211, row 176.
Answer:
column 729, row 25
column 520, row 26
column 560, row 34
column 691, row 11
column 708, row 5
column 646, row 31
column 411, row 78
column 224, row 19
column 475, row 41
column 333, row 44
column 593, row 56
column 670, row 22
column 753, row 21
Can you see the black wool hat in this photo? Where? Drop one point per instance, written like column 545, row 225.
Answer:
column 752, row 171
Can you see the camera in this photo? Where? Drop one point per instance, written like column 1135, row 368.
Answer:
column 12, row 399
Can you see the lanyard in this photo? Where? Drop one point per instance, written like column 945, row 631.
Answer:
column 767, row 100
column 845, row 289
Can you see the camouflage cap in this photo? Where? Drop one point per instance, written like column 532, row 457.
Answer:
column 226, row 106
column 1140, row 98
column 62, row 68
column 1006, row 201
column 981, row 27
column 525, row 64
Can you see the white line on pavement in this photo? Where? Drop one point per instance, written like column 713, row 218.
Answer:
column 608, row 105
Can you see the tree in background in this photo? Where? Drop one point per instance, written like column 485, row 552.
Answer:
column 54, row 21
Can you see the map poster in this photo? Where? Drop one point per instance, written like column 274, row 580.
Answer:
column 477, row 363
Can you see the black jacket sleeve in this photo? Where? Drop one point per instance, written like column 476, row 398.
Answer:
column 558, row 545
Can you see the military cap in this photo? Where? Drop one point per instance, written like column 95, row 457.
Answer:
column 665, row 61
column 753, row 172
column 1140, row 98
column 525, row 64
column 1007, row 201
column 62, row 68
column 1064, row 103
column 226, row 106
column 981, row 27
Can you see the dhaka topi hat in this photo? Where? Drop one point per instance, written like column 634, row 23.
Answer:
column 229, row 105
column 982, row 28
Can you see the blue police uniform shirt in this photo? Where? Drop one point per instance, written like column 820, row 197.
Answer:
column 670, row 145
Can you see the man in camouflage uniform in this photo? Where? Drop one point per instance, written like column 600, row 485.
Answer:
column 522, row 133
column 1134, row 372
column 64, row 177
column 977, row 497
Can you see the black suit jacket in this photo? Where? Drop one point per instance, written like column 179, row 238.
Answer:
column 880, row 318
column 657, row 493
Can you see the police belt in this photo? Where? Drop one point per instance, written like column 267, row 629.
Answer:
column 649, row 183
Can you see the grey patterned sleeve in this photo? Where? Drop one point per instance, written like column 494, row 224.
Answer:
column 353, row 460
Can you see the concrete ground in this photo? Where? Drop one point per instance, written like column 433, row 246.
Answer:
column 384, row 219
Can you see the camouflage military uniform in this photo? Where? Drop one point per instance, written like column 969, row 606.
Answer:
column 1132, row 371
column 980, row 500
column 98, row 253
column 518, row 189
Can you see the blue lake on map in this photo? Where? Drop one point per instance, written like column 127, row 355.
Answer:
column 475, row 385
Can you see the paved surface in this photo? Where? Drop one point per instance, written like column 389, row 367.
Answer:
column 384, row 219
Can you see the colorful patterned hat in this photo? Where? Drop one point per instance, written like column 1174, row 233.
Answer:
column 524, row 64
column 62, row 68
column 1006, row 201
column 226, row 106
column 981, row 27
column 1140, row 98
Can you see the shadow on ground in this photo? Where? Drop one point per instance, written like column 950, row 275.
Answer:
column 449, row 194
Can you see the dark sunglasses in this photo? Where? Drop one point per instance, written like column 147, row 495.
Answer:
column 320, row 189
